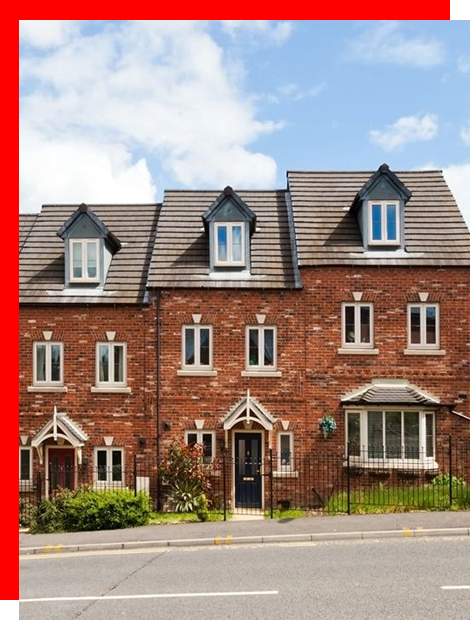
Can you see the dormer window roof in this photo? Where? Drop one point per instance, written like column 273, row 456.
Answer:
column 89, row 248
column 379, row 207
column 230, row 223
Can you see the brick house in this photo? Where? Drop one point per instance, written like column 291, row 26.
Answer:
column 87, row 344
column 345, row 295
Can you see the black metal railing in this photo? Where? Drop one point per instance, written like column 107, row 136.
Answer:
column 362, row 479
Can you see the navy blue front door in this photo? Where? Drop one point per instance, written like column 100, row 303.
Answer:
column 248, row 464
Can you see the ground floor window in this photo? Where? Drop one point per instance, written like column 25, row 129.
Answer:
column 285, row 451
column 26, row 465
column 403, row 435
column 109, row 466
column 206, row 439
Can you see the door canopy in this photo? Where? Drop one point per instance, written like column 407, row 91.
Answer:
column 60, row 426
column 248, row 409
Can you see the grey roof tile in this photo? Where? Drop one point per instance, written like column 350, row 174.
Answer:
column 181, row 253
column 328, row 234
column 42, row 255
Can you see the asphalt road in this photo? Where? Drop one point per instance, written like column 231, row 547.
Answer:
column 394, row 579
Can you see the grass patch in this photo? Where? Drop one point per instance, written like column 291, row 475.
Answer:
column 170, row 518
column 293, row 513
column 383, row 499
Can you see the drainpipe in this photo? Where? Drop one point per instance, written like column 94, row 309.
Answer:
column 158, row 394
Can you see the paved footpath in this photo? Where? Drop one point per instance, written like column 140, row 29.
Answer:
column 259, row 531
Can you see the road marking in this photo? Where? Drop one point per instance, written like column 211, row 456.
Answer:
column 148, row 596
column 407, row 531
column 455, row 587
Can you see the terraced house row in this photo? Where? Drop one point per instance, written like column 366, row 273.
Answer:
column 241, row 319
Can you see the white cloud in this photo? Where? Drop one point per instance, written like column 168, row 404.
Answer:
column 406, row 129
column 163, row 89
column 296, row 93
column 276, row 33
column 457, row 176
column 465, row 133
column 44, row 33
column 385, row 43
column 69, row 169
column 463, row 63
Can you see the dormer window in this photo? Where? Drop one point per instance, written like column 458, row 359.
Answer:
column 84, row 263
column 230, row 224
column 379, row 208
column 384, row 227
column 230, row 244
column 89, row 249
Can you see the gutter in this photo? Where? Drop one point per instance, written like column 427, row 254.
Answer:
column 293, row 240
column 158, row 412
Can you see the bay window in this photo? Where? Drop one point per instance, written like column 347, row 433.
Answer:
column 391, row 436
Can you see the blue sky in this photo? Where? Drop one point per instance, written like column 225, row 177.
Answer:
column 119, row 111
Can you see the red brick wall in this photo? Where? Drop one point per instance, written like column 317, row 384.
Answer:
column 314, row 375
column 126, row 417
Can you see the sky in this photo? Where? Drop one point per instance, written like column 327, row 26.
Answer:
column 119, row 111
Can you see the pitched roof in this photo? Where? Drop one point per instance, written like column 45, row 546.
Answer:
column 229, row 194
column 42, row 255
column 381, row 392
column 100, row 225
column 328, row 234
column 181, row 253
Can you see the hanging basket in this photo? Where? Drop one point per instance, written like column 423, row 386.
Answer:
column 328, row 425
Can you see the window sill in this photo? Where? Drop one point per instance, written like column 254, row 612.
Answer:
column 47, row 388
column 26, row 486
column 424, row 352
column 261, row 373
column 196, row 373
column 357, row 351
column 110, row 390
column 285, row 474
column 392, row 464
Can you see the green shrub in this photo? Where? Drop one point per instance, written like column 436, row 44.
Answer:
column 183, row 471
column 27, row 512
column 89, row 509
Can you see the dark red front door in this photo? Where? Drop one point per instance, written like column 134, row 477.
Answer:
column 61, row 469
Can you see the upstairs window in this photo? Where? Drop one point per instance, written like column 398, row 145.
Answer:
column 48, row 363
column 197, row 347
column 423, row 326
column 261, row 348
column 384, row 227
column 84, row 260
column 111, row 364
column 230, row 244
column 358, row 325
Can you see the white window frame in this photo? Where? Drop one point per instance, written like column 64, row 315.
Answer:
column 422, row 317
column 109, row 483
column 280, row 466
column 261, row 366
column 111, row 383
column 48, row 381
column 83, row 243
column 383, row 208
column 197, row 348
column 30, row 478
column 229, row 262
column 357, row 325
column 377, row 462
column 199, row 433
